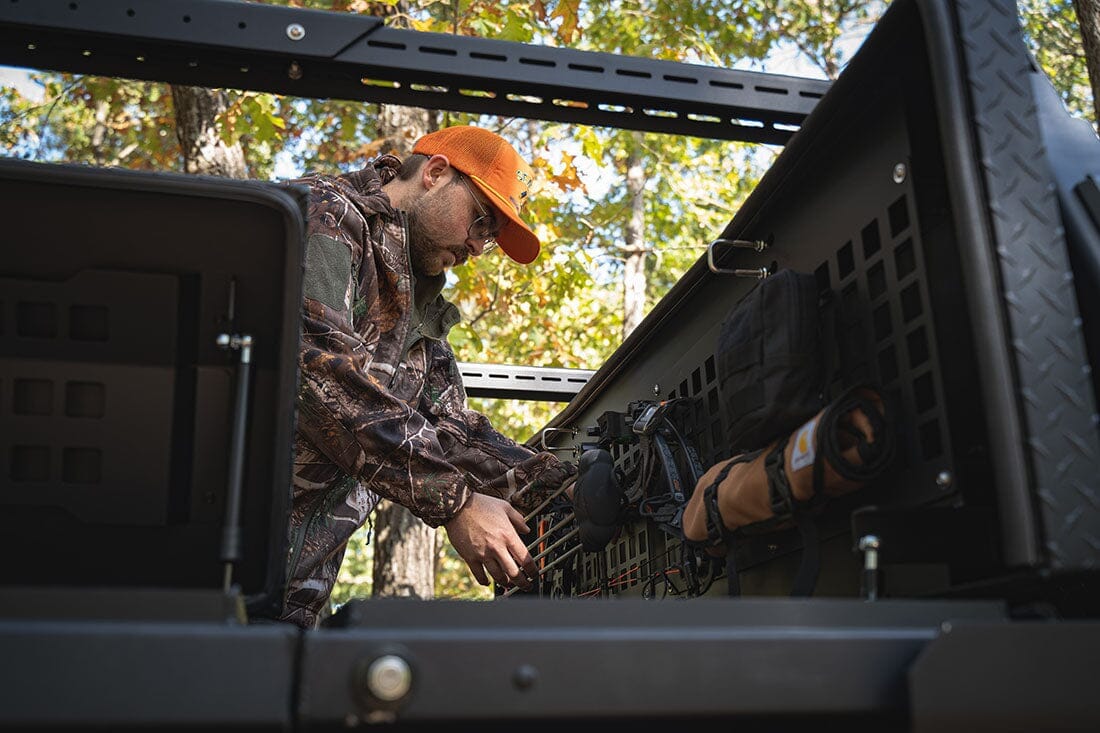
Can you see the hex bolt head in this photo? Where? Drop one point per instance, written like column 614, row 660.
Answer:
column 295, row 32
column 389, row 678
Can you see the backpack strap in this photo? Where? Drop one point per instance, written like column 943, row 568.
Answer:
column 717, row 533
column 873, row 457
column 785, row 505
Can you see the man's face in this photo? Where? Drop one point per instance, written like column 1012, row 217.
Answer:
column 439, row 226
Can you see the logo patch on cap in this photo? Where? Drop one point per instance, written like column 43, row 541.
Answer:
column 525, row 180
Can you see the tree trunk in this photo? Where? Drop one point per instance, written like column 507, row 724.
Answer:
column 634, row 248
column 400, row 128
column 404, row 554
column 405, row 549
column 99, row 131
column 204, row 152
column 1088, row 20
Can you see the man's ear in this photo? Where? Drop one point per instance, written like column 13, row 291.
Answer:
column 432, row 170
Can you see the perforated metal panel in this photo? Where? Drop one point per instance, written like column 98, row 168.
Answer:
column 874, row 197
column 71, row 417
column 881, row 330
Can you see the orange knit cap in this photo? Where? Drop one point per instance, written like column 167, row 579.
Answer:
column 497, row 169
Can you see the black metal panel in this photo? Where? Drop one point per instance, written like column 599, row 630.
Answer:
column 111, row 675
column 539, row 659
column 1026, row 676
column 61, row 603
column 86, row 395
column 857, row 199
column 952, row 289
column 116, row 400
column 875, row 196
column 1050, row 524
column 590, row 87
column 251, row 46
column 214, row 23
column 1075, row 164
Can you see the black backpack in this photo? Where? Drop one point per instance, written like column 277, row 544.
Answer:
column 771, row 370
column 773, row 378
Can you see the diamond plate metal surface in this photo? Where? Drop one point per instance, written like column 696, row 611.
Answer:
column 1051, row 365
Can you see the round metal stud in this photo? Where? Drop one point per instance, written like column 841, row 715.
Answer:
column 389, row 678
column 525, row 676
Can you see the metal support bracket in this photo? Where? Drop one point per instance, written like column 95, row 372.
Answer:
column 756, row 245
column 546, row 431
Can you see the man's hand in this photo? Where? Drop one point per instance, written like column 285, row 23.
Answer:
column 485, row 533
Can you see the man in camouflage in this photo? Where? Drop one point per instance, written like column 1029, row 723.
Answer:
column 381, row 406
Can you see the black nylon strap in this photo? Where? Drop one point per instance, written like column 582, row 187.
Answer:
column 717, row 534
column 779, row 485
column 784, row 503
column 873, row 456
column 746, row 355
column 733, row 579
column 806, row 578
column 746, row 401
column 716, row 530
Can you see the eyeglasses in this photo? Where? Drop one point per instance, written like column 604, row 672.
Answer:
column 484, row 227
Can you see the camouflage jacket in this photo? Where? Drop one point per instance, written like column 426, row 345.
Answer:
column 381, row 408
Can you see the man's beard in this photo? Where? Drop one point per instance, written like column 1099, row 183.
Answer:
column 425, row 250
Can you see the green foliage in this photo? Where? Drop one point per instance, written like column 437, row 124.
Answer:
column 355, row 579
column 103, row 122
column 566, row 309
column 452, row 580
column 1050, row 27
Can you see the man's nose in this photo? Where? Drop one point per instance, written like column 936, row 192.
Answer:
column 476, row 246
